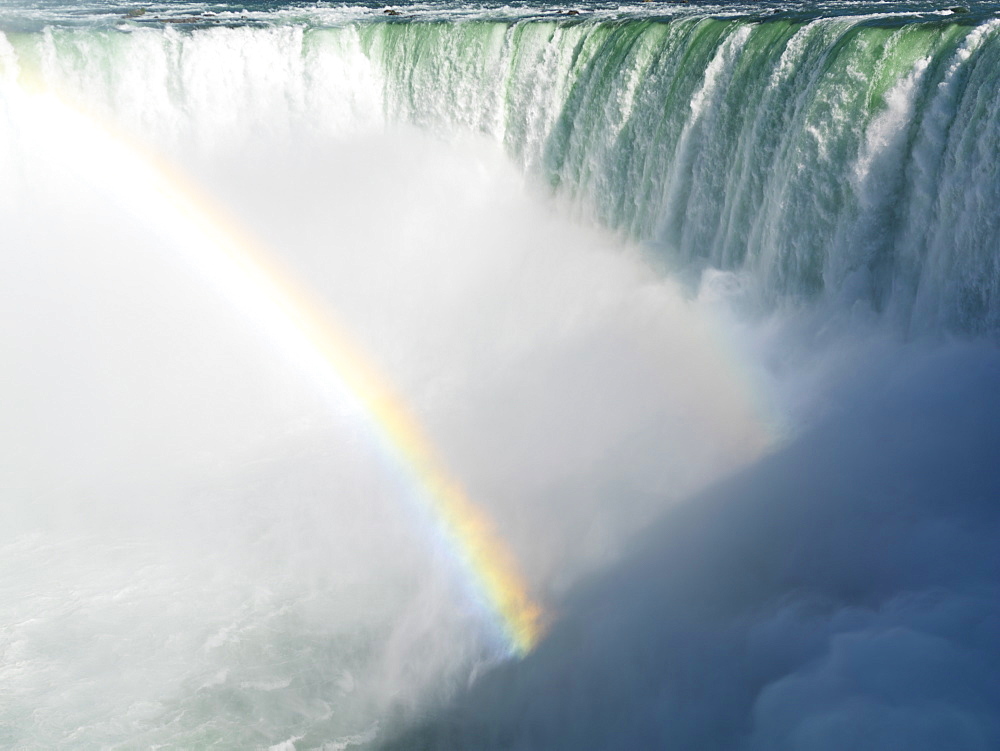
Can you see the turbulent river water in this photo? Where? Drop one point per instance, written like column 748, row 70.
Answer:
column 697, row 303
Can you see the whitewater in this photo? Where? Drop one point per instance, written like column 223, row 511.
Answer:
column 444, row 375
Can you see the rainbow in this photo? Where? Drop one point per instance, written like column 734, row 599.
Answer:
column 238, row 268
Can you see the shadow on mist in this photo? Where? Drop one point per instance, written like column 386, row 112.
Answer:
column 841, row 593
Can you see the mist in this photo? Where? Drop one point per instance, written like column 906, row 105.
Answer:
column 201, row 533
column 840, row 592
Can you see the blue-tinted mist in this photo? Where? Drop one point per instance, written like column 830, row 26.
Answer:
column 841, row 593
